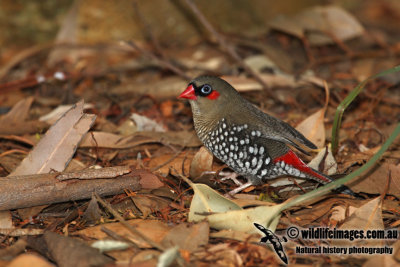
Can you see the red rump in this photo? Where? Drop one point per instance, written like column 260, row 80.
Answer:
column 293, row 160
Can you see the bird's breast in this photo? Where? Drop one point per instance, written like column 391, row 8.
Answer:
column 239, row 147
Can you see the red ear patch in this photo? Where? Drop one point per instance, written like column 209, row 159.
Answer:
column 214, row 95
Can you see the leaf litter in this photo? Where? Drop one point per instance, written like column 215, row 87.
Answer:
column 135, row 153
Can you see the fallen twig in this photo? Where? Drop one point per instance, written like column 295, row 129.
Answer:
column 228, row 48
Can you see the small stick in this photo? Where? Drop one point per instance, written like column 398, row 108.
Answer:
column 131, row 228
column 163, row 63
column 228, row 48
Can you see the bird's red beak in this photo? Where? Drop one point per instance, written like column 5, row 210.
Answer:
column 188, row 93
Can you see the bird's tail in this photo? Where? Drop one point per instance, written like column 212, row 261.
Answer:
column 293, row 160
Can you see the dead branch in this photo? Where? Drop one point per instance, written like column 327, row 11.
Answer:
column 43, row 189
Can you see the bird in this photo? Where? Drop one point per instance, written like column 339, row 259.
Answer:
column 252, row 143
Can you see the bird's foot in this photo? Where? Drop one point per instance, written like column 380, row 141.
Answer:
column 230, row 176
column 238, row 189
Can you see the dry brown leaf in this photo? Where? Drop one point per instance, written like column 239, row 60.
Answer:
column 145, row 124
column 243, row 84
column 171, row 162
column 375, row 181
column 313, row 128
column 60, row 249
column 14, row 122
column 109, row 140
column 287, row 25
column 187, row 236
column 21, row 231
column 368, row 216
column 236, row 235
column 223, row 255
column 30, row 259
column 363, row 68
column 57, row 147
column 386, row 260
column 340, row 213
column 319, row 22
column 5, row 220
column 18, row 113
column 54, row 115
column 305, row 217
column 169, row 87
column 330, row 165
column 148, row 180
column 202, row 161
column 155, row 230
column 149, row 203
column 68, row 33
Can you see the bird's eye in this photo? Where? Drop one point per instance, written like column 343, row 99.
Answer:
column 206, row 89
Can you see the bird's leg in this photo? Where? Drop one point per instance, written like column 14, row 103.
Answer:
column 239, row 189
column 230, row 176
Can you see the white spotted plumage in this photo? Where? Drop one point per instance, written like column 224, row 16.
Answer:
column 238, row 147
column 252, row 143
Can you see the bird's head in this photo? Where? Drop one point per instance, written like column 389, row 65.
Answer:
column 210, row 95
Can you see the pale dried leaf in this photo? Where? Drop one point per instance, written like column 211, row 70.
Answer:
column 386, row 260
column 330, row 165
column 145, row 124
column 155, row 230
column 243, row 84
column 237, row 235
column 375, row 181
column 68, row 33
column 6, row 220
column 223, row 255
column 368, row 216
column 160, row 89
column 110, row 245
column 109, row 140
column 363, row 68
column 202, row 161
column 21, row 231
column 30, row 259
column 18, row 113
column 14, row 122
column 167, row 163
column 57, row 147
column 188, row 236
column 58, row 112
column 206, row 200
column 339, row 213
column 148, row 204
column 168, row 257
column 320, row 20
column 260, row 63
column 313, row 128
column 225, row 214
column 287, row 25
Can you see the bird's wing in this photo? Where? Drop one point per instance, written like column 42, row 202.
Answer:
column 275, row 129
